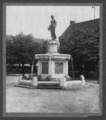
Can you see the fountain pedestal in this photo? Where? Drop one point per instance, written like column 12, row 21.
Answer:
column 52, row 69
column 52, row 64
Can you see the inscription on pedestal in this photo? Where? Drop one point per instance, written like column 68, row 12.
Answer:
column 44, row 67
column 58, row 68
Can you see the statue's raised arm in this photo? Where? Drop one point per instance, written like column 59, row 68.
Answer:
column 52, row 27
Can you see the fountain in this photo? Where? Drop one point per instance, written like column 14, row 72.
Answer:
column 52, row 67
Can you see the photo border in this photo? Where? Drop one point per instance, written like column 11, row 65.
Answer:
column 3, row 63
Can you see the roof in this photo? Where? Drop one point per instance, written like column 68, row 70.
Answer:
column 86, row 25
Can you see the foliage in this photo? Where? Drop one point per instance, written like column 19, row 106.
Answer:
column 22, row 49
column 83, row 46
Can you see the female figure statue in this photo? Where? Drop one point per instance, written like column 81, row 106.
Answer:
column 52, row 27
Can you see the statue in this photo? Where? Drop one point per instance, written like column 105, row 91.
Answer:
column 52, row 27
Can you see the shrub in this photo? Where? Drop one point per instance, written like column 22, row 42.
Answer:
column 76, row 74
column 90, row 74
column 87, row 74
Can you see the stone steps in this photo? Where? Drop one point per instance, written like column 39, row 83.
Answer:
column 48, row 86
column 40, row 86
column 25, row 86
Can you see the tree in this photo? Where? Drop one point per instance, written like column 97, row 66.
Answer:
column 84, row 48
column 22, row 50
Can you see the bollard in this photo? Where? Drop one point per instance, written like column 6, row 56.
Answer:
column 82, row 79
column 19, row 80
column 34, row 82
column 63, row 83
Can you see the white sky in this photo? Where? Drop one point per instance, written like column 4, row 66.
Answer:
column 36, row 19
